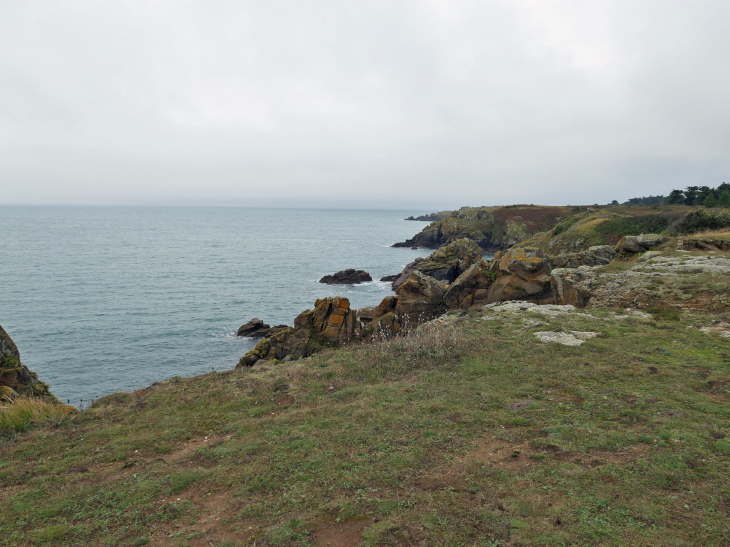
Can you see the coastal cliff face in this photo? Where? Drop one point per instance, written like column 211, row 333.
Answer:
column 492, row 228
column 15, row 378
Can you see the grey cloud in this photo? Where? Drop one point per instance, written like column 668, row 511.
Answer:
column 379, row 104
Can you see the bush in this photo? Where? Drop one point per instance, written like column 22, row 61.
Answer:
column 701, row 220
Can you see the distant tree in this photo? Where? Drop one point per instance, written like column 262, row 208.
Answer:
column 722, row 188
column 614, row 202
column 724, row 200
column 710, row 200
column 690, row 195
column 676, row 197
column 703, row 193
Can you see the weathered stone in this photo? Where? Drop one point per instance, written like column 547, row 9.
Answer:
column 446, row 264
column 471, row 288
column 571, row 286
column 330, row 323
column 595, row 256
column 522, row 274
column 638, row 244
column 250, row 328
column 16, row 377
column 347, row 277
column 420, row 299
column 703, row 244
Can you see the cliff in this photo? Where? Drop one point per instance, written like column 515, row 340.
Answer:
column 492, row 228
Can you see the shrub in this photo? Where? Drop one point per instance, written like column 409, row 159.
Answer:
column 702, row 219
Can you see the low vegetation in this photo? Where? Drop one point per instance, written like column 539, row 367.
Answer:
column 471, row 434
column 22, row 413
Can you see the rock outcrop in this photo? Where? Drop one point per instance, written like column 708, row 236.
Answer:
column 472, row 287
column 420, row 299
column 522, row 274
column 347, row 277
column 258, row 329
column 331, row 323
column 599, row 255
column 15, row 378
column 652, row 281
column 638, row 244
column 703, row 244
column 446, row 264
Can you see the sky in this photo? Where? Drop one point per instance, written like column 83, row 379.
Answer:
column 423, row 104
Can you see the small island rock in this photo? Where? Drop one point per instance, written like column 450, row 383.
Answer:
column 347, row 277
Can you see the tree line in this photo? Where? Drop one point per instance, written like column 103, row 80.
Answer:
column 701, row 195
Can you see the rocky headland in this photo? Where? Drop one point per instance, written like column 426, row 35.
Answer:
column 433, row 217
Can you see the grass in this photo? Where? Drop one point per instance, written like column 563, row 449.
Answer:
column 621, row 441
column 26, row 412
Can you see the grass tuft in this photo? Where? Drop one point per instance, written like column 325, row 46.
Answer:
column 25, row 412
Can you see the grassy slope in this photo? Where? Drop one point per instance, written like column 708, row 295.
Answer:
column 604, row 226
column 403, row 443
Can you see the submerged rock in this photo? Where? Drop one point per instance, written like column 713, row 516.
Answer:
column 15, row 378
column 347, row 277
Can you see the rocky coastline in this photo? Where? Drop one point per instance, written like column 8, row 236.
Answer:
column 457, row 278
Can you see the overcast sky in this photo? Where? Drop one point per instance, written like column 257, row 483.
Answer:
column 384, row 104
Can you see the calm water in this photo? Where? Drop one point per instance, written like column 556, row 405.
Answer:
column 107, row 299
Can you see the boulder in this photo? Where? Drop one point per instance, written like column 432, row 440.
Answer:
column 347, row 277
column 390, row 277
column 250, row 328
column 15, row 378
column 638, row 244
column 258, row 329
column 522, row 273
column 472, row 287
column 446, row 264
column 420, row 299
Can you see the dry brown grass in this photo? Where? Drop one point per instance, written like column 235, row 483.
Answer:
column 24, row 412
column 717, row 234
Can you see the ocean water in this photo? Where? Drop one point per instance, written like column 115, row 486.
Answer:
column 108, row 299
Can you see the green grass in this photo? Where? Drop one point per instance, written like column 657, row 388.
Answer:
column 409, row 441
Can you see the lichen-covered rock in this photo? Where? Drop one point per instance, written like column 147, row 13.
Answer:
column 472, row 287
column 15, row 378
column 523, row 273
column 332, row 322
column 638, row 244
column 420, row 299
column 599, row 255
column 446, row 264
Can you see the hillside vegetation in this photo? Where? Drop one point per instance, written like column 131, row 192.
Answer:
column 605, row 226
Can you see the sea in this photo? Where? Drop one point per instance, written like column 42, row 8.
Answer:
column 107, row 299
